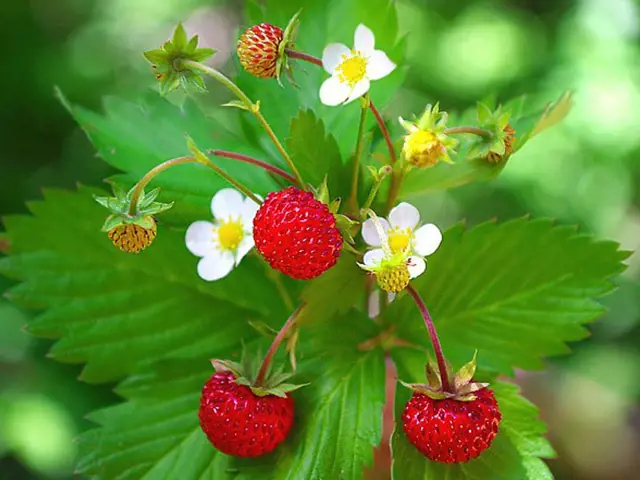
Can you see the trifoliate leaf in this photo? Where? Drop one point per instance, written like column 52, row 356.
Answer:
column 156, row 434
column 135, row 137
column 517, row 292
column 114, row 311
column 515, row 453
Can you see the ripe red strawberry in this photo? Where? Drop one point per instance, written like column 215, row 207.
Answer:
column 451, row 431
column 297, row 234
column 240, row 423
column 258, row 49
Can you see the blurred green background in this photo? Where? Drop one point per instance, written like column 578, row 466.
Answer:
column 585, row 172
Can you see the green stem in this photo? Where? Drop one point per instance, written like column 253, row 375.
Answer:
column 435, row 341
column 266, row 363
column 383, row 128
column 144, row 181
column 481, row 132
column 252, row 107
column 254, row 161
column 375, row 187
column 353, row 199
column 231, row 180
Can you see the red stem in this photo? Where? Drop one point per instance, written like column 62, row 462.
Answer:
column 431, row 328
column 266, row 363
column 254, row 161
column 383, row 128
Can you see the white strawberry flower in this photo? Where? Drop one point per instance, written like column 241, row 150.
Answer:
column 223, row 243
column 402, row 236
column 353, row 69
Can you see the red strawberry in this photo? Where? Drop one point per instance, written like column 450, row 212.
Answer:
column 297, row 234
column 240, row 423
column 258, row 49
column 451, row 431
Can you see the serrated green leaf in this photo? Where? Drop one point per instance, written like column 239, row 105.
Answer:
column 135, row 137
column 517, row 291
column 315, row 153
column 334, row 292
column 156, row 432
column 116, row 311
column 516, row 452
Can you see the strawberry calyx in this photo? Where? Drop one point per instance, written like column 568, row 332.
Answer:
column 462, row 387
column 246, row 373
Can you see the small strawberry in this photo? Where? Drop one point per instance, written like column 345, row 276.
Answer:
column 258, row 49
column 451, row 426
column 241, row 418
column 297, row 234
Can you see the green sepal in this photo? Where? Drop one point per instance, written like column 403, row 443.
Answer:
column 322, row 192
column 433, row 374
column 237, row 104
column 288, row 39
column 465, row 374
column 168, row 66
column 111, row 222
column 345, row 225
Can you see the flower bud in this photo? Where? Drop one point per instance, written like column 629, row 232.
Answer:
column 423, row 149
column 133, row 238
column 258, row 49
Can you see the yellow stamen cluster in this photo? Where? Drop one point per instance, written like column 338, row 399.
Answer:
column 352, row 69
column 393, row 279
column 399, row 239
column 230, row 234
column 422, row 148
column 132, row 238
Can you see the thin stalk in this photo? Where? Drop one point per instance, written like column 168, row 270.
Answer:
column 266, row 363
column 435, row 341
column 252, row 107
column 248, row 193
column 144, row 181
column 383, row 128
column 374, row 189
column 353, row 198
column 254, row 161
column 481, row 132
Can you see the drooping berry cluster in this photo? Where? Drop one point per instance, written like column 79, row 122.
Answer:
column 297, row 234
column 449, row 430
column 240, row 423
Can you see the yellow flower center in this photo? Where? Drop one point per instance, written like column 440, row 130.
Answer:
column 422, row 148
column 419, row 141
column 352, row 69
column 399, row 239
column 230, row 234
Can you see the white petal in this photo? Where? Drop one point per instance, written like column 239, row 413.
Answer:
column 245, row 247
column 373, row 257
column 373, row 306
column 379, row 65
column 359, row 89
column 227, row 203
column 215, row 265
column 200, row 238
column 370, row 232
column 332, row 56
column 333, row 92
column 364, row 41
column 427, row 239
column 416, row 266
column 404, row 215
column 249, row 209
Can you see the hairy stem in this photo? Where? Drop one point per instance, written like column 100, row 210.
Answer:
column 383, row 128
column 435, row 341
column 353, row 198
column 144, row 181
column 481, row 132
column 252, row 107
column 266, row 363
column 374, row 189
column 254, row 161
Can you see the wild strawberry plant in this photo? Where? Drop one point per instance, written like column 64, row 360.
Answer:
column 272, row 362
